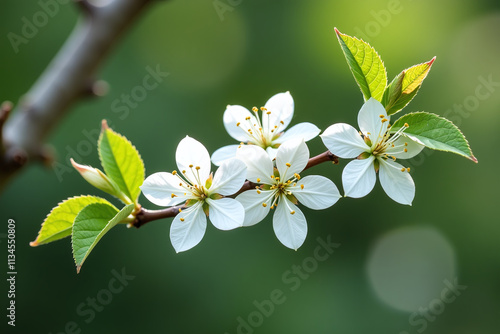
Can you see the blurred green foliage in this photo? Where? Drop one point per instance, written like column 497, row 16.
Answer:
column 259, row 49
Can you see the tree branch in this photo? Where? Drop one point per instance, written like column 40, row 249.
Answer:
column 68, row 78
column 145, row 216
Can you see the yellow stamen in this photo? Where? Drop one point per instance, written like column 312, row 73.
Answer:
column 258, row 180
column 190, row 166
column 174, row 195
column 174, row 172
column 403, row 169
column 288, row 164
column 406, row 150
column 254, row 109
column 408, row 169
column 301, row 186
column 406, row 125
column 238, row 124
column 264, row 204
column 292, row 212
column 182, row 219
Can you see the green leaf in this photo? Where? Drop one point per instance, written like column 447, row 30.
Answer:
column 434, row 132
column 405, row 86
column 365, row 64
column 91, row 224
column 121, row 162
column 59, row 221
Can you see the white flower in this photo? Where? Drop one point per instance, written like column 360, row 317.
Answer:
column 281, row 188
column 204, row 194
column 377, row 150
column 267, row 131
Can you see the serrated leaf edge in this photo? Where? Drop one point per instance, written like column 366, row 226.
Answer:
column 470, row 157
column 105, row 128
column 36, row 242
column 338, row 33
column 79, row 266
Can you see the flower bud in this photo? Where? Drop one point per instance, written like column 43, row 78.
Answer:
column 98, row 179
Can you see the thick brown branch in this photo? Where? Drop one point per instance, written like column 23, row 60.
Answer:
column 65, row 81
column 145, row 216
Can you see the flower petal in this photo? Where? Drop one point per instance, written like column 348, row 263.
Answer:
column 370, row 120
column 253, row 202
column 294, row 153
column 186, row 234
column 291, row 229
column 224, row 153
column 359, row 177
column 259, row 166
column 271, row 152
column 226, row 213
column 396, row 183
column 229, row 178
column 344, row 141
column 305, row 131
column 412, row 148
column 281, row 107
column 159, row 187
column 192, row 152
column 316, row 192
column 234, row 115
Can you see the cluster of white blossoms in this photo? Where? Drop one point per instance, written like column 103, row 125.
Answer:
column 267, row 165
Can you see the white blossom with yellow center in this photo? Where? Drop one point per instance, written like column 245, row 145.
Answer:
column 203, row 194
column 281, row 188
column 377, row 150
column 266, row 131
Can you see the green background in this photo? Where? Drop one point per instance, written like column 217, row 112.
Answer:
column 392, row 259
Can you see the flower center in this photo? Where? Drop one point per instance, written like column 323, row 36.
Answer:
column 387, row 140
column 281, row 189
column 258, row 132
column 195, row 186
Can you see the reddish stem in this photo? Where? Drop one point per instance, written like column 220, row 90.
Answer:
column 145, row 216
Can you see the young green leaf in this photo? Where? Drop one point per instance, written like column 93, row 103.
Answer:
column 121, row 162
column 365, row 64
column 91, row 224
column 59, row 221
column 405, row 86
column 434, row 132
